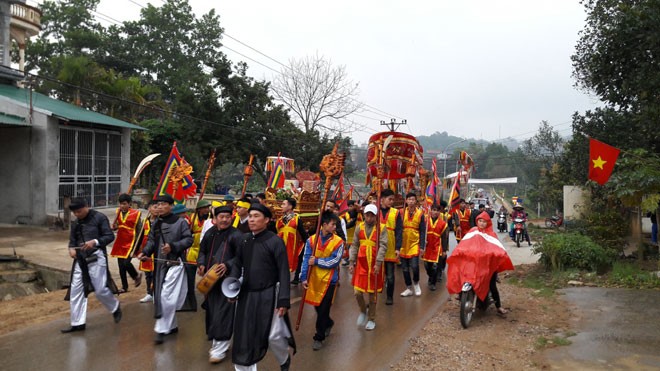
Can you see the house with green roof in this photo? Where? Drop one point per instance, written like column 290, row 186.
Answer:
column 51, row 150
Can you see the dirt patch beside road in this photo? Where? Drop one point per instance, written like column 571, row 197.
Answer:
column 537, row 320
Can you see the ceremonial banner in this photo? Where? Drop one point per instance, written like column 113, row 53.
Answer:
column 602, row 158
column 176, row 180
column 277, row 177
column 455, row 196
column 431, row 189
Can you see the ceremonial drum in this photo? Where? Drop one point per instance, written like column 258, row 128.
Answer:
column 208, row 281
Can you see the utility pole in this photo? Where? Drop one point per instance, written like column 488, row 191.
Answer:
column 393, row 125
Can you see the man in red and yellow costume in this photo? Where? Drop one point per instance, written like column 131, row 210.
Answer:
column 391, row 218
column 320, row 273
column 414, row 240
column 291, row 231
column 365, row 264
column 127, row 223
column 435, row 253
column 462, row 220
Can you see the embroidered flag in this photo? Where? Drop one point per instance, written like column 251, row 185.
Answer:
column 277, row 177
column 176, row 180
column 602, row 158
column 455, row 196
column 339, row 189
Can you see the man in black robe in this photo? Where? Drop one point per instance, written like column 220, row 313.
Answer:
column 219, row 246
column 262, row 322
column 89, row 236
column 169, row 239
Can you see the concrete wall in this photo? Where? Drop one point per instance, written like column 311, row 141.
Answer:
column 15, row 152
column 574, row 202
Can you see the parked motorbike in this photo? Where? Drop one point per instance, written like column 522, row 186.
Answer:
column 554, row 221
column 501, row 222
column 519, row 230
column 469, row 303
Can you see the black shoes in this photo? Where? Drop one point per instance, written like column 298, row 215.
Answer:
column 160, row 338
column 432, row 287
column 389, row 301
column 285, row 366
column 138, row 280
column 116, row 315
column 173, row 331
column 73, row 329
column 295, row 282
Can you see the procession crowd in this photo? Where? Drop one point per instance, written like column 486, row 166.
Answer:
column 242, row 242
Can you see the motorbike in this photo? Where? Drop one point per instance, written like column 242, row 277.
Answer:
column 469, row 303
column 554, row 221
column 519, row 230
column 501, row 222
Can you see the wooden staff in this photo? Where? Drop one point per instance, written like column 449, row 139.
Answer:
column 332, row 165
column 209, row 168
column 247, row 173
column 380, row 174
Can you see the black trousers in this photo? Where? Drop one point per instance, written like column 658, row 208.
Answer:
column 149, row 278
column 389, row 278
column 407, row 265
column 494, row 292
column 432, row 272
column 323, row 320
column 126, row 266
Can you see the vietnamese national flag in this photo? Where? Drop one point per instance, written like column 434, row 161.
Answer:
column 602, row 158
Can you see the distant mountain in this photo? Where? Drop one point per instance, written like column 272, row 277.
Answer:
column 439, row 141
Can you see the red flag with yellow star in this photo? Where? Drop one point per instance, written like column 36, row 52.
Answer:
column 602, row 158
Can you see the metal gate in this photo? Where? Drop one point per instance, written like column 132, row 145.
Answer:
column 89, row 166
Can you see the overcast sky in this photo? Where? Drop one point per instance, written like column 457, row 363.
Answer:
column 483, row 69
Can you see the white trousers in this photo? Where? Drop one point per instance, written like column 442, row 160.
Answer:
column 98, row 276
column 172, row 296
column 219, row 348
column 277, row 343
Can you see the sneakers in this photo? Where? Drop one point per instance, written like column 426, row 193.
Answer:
column 362, row 319
column 370, row 326
column 418, row 290
column 147, row 299
column 216, row 359
column 116, row 315
column 317, row 345
column 407, row 292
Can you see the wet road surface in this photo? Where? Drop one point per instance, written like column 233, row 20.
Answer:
column 129, row 345
column 616, row 329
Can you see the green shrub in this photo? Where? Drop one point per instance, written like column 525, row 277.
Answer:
column 562, row 251
column 607, row 228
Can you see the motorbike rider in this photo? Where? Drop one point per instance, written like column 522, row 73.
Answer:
column 519, row 213
column 485, row 225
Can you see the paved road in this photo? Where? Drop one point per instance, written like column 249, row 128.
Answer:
column 129, row 345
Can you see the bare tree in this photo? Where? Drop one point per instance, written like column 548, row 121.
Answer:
column 320, row 94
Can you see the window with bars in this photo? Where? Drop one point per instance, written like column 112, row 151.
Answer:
column 89, row 166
